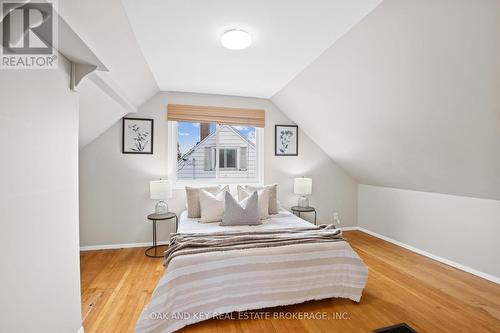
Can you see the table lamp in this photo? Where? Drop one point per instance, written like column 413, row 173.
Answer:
column 302, row 186
column 160, row 190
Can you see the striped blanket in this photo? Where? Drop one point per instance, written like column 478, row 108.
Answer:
column 182, row 244
column 211, row 274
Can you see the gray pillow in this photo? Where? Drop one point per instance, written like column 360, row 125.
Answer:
column 245, row 212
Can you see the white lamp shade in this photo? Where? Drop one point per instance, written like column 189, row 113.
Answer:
column 302, row 186
column 160, row 189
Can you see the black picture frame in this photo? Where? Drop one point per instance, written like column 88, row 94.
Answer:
column 126, row 130
column 278, row 151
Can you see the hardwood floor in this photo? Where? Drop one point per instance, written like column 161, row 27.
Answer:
column 402, row 287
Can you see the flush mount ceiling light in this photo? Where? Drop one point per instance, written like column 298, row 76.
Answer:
column 236, row 39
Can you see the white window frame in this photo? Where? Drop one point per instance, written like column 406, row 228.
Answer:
column 180, row 184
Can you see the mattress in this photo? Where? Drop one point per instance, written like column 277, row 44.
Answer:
column 284, row 219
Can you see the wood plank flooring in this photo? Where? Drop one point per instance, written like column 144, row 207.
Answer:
column 402, row 287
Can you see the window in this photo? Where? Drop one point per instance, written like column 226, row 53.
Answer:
column 213, row 153
column 227, row 158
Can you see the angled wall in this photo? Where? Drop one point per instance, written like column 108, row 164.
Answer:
column 409, row 98
column 106, row 30
column 105, row 97
column 98, row 111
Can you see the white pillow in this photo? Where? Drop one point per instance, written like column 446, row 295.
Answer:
column 193, row 199
column 263, row 200
column 273, row 196
column 212, row 205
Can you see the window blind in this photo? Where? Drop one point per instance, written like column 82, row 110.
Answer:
column 216, row 114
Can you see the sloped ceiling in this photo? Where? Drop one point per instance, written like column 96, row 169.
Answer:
column 410, row 97
column 105, row 28
column 98, row 111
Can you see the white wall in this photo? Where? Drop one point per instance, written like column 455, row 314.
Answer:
column 40, row 275
column 114, row 188
column 461, row 229
column 409, row 98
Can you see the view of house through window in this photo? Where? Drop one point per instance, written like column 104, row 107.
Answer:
column 207, row 151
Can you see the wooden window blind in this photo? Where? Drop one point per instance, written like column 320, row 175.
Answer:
column 216, row 114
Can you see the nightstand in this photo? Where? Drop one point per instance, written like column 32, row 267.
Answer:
column 297, row 210
column 155, row 218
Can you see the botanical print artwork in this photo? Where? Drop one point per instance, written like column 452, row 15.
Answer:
column 141, row 138
column 286, row 140
column 137, row 136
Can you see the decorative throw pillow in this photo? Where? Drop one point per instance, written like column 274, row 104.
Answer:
column 245, row 212
column 273, row 196
column 193, row 199
column 263, row 200
column 212, row 206
column 241, row 192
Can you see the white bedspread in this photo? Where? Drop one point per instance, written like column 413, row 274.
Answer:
column 284, row 219
column 199, row 286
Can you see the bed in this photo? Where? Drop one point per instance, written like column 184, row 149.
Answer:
column 200, row 286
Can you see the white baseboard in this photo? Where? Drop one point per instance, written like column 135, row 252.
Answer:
column 118, row 246
column 433, row 256
column 80, row 330
column 348, row 228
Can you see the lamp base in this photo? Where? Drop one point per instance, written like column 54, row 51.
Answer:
column 161, row 207
column 303, row 202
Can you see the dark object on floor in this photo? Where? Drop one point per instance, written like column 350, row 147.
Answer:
column 399, row 328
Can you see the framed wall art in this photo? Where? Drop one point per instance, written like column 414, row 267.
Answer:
column 286, row 140
column 137, row 136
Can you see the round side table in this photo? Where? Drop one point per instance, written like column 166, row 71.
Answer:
column 155, row 218
column 297, row 210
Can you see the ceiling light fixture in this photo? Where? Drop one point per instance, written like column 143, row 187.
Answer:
column 236, row 39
